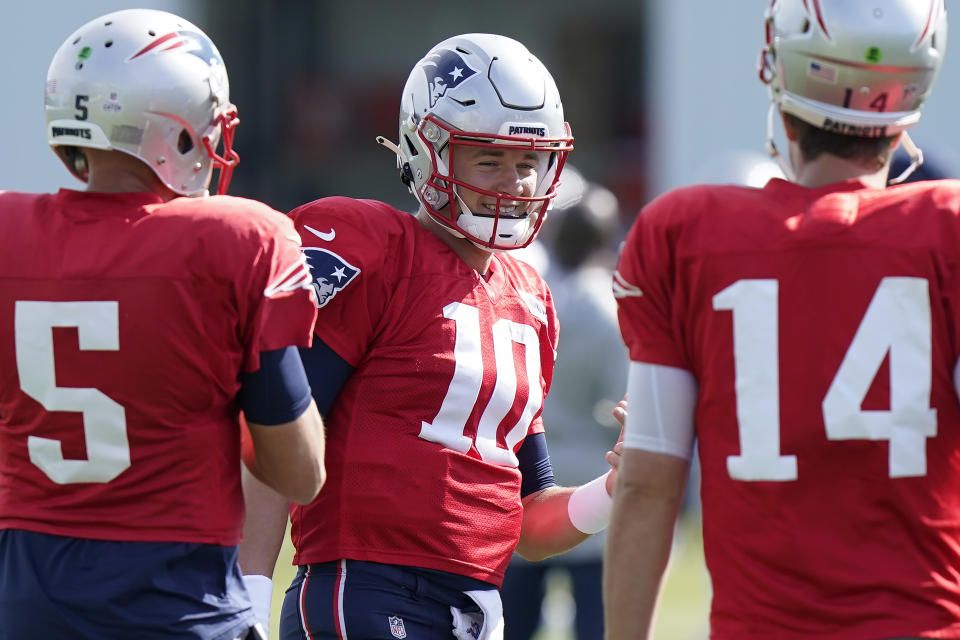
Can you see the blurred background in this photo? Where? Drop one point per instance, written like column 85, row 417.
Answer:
column 659, row 94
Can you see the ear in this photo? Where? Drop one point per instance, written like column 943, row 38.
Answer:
column 788, row 128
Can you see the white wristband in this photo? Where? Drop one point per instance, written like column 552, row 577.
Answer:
column 590, row 506
column 260, row 589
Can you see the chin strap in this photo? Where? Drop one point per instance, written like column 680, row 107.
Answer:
column 772, row 146
column 916, row 158
column 383, row 142
column 406, row 174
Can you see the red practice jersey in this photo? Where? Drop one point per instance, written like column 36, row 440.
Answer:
column 450, row 373
column 830, row 459
column 124, row 326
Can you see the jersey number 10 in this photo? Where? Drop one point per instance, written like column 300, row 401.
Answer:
column 448, row 427
column 896, row 322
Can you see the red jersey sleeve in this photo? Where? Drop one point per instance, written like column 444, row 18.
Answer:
column 273, row 291
column 643, row 286
column 344, row 242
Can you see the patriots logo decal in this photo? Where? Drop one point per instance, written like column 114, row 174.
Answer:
column 331, row 273
column 445, row 70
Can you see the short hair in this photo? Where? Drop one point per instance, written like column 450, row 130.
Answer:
column 814, row 141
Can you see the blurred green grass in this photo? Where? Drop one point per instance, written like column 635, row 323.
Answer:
column 682, row 613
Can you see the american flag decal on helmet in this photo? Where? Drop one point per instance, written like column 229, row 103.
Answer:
column 296, row 276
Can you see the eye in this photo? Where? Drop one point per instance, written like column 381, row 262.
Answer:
column 488, row 162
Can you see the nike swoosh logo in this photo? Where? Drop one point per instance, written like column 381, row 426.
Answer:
column 327, row 237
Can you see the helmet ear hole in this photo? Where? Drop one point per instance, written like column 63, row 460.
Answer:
column 76, row 161
column 184, row 143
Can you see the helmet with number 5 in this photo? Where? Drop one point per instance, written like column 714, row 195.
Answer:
column 149, row 84
column 481, row 90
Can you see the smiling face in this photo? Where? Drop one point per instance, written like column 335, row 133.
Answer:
column 493, row 171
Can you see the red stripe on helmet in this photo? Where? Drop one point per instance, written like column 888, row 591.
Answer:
column 816, row 10
column 154, row 44
column 926, row 27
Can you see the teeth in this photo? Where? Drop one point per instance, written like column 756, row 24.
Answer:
column 504, row 209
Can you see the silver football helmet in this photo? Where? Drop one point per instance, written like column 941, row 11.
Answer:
column 150, row 84
column 855, row 68
column 489, row 91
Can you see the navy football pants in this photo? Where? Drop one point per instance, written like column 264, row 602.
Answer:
column 58, row 587
column 368, row 601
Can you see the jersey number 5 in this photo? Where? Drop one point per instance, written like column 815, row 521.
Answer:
column 448, row 427
column 897, row 322
column 104, row 421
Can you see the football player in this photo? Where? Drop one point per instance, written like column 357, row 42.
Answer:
column 137, row 318
column 432, row 356
column 806, row 336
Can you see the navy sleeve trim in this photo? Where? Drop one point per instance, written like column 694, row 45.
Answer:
column 535, row 466
column 277, row 392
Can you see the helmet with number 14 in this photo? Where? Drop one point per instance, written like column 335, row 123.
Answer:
column 854, row 68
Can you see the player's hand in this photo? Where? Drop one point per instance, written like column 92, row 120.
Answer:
column 613, row 457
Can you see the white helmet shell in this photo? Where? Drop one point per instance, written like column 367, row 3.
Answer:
column 150, row 84
column 486, row 90
column 854, row 68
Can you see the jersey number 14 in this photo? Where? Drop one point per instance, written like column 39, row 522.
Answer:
column 896, row 322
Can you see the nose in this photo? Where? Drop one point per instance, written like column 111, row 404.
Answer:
column 511, row 181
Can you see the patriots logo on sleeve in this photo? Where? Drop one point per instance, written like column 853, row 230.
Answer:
column 331, row 273
column 445, row 70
